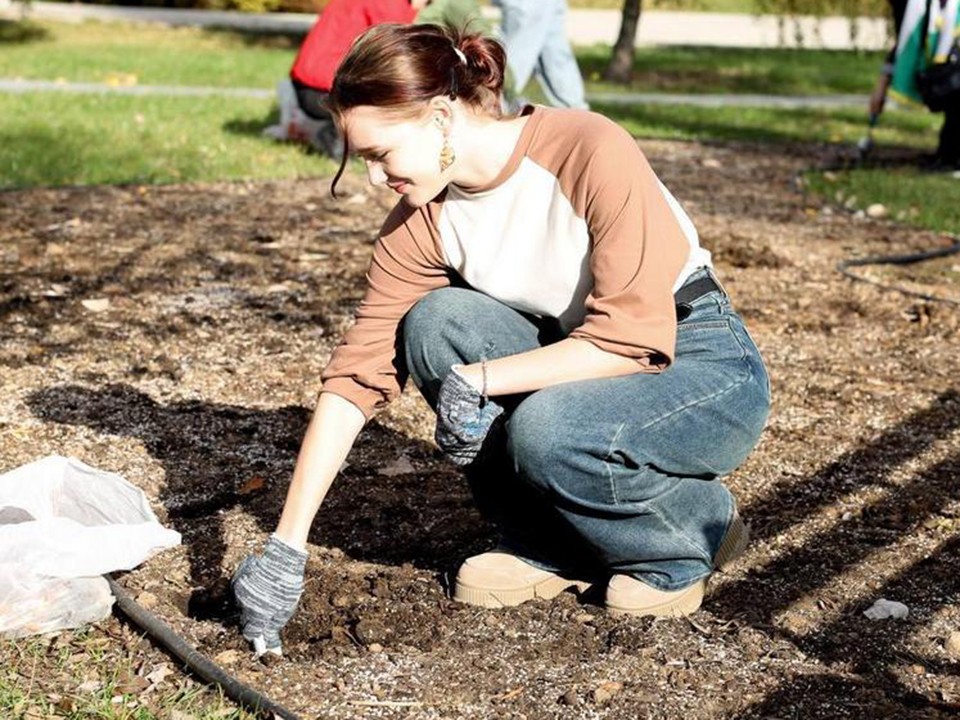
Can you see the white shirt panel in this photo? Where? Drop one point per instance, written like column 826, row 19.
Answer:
column 699, row 256
column 521, row 243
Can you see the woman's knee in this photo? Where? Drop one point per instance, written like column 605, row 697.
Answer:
column 437, row 333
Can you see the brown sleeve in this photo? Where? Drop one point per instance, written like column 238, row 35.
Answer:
column 637, row 245
column 368, row 368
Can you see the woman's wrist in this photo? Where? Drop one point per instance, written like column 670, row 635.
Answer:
column 475, row 374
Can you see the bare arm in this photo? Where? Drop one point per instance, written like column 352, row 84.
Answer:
column 564, row 361
column 332, row 431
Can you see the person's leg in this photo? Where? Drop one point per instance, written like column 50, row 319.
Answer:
column 633, row 463
column 313, row 102
column 458, row 325
column 325, row 137
column 524, row 30
column 948, row 150
column 557, row 70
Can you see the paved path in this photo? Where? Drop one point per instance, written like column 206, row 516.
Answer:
column 14, row 85
column 585, row 27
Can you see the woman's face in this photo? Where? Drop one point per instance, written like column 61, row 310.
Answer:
column 402, row 154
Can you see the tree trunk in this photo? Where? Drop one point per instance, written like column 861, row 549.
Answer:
column 620, row 67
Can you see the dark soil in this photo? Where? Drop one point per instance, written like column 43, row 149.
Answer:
column 196, row 381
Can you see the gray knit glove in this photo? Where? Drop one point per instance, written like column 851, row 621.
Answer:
column 464, row 418
column 267, row 589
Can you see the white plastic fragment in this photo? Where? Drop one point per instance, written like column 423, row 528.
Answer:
column 883, row 609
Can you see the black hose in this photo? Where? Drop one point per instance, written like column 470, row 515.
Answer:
column 208, row 670
column 841, row 163
column 900, row 260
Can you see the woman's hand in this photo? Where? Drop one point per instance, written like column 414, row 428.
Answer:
column 267, row 589
column 464, row 418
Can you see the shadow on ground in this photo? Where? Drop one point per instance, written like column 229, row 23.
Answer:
column 867, row 651
column 218, row 457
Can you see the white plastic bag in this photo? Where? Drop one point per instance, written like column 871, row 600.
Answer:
column 62, row 525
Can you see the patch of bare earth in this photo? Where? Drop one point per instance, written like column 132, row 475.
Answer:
column 195, row 373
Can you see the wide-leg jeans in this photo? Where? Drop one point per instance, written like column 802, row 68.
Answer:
column 612, row 475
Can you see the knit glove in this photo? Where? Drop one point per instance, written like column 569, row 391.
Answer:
column 267, row 589
column 464, row 418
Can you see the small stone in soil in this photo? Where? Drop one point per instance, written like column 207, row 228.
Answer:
column 952, row 645
column 270, row 659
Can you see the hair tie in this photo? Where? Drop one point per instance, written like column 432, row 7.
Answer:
column 459, row 52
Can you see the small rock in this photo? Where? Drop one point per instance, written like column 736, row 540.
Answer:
column 570, row 698
column 917, row 669
column 375, row 648
column 952, row 645
column 96, row 304
column 270, row 658
column 400, row 466
column 712, row 163
column 877, row 210
column 883, row 609
column 605, row 693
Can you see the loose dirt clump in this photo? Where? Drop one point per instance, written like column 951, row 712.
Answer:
column 176, row 335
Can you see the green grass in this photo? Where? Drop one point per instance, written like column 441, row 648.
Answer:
column 66, row 139
column 927, row 200
column 152, row 55
column 845, row 126
column 43, row 677
column 144, row 54
column 737, row 70
column 58, row 139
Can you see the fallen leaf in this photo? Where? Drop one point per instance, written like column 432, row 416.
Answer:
column 606, row 691
column 227, row 657
column 147, row 600
column 159, row 674
column 254, row 484
column 96, row 304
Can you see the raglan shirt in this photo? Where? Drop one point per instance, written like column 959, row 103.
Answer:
column 575, row 227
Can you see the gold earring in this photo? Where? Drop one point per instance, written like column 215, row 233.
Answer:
column 447, row 155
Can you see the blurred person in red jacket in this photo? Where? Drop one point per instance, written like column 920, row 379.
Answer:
column 328, row 41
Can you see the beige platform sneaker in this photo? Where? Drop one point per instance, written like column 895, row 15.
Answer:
column 498, row 579
column 628, row 596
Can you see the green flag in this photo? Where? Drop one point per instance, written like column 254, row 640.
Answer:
column 913, row 55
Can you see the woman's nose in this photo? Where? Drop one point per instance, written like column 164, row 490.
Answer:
column 375, row 173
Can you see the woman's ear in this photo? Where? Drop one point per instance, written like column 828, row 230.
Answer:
column 441, row 111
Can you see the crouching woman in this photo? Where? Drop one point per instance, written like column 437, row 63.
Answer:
column 549, row 297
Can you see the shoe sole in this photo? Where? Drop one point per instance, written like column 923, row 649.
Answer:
column 734, row 544
column 486, row 598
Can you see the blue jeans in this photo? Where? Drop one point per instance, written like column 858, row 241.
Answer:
column 615, row 475
column 535, row 36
